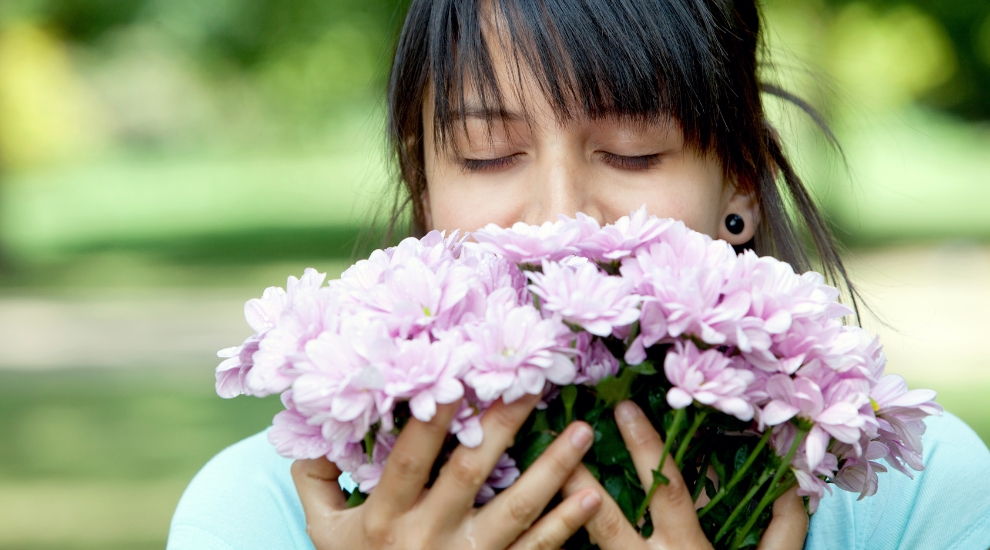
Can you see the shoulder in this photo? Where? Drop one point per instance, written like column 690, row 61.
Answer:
column 945, row 506
column 243, row 498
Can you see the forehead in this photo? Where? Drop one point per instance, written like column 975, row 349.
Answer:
column 515, row 93
column 603, row 60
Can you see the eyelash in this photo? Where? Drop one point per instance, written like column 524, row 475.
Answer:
column 636, row 164
column 488, row 165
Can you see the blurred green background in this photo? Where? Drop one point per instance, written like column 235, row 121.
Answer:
column 162, row 161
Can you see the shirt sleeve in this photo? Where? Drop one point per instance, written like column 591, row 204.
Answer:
column 243, row 499
column 945, row 506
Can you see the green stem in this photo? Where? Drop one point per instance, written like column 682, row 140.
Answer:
column 658, row 477
column 768, row 496
column 785, row 485
column 741, row 506
column 633, row 333
column 737, row 476
column 568, row 394
column 683, row 447
column 369, row 446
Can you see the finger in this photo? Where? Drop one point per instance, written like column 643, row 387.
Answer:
column 672, row 509
column 465, row 472
column 789, row 525
column 518, row 506
column 409, row 463
column 553, row 530
column 608, row 527
column 319, row 491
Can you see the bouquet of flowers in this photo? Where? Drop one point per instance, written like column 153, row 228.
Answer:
column 743, row 365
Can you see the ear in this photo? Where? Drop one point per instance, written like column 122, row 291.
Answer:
column 744, row 205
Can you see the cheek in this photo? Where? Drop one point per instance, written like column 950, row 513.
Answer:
column 458, row 202
column 687, row 189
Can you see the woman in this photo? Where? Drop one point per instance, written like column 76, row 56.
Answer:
column 519, row 110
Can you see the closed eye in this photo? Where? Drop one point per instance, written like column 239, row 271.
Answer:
column 637, row 163
column 489, row 165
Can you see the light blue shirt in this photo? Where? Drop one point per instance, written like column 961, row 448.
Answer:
column 244, row 499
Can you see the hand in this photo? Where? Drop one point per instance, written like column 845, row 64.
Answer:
column 401, row 513
column 675, row 521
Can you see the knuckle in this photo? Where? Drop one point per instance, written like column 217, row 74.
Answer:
column 465, row 471
column 543, row 541
column 675, row 494
column 503, row 418
column 406, row 464
column 560, row 462
column 522, row 510
column 571, row 522
column 437, row 426
column 608, row 524
column 378, row 531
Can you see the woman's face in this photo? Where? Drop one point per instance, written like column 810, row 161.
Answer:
column 531, row 171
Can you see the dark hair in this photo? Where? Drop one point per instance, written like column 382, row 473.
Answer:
column 691, row 60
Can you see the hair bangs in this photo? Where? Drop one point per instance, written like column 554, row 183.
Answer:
column 665, row 65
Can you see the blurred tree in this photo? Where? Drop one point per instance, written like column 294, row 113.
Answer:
column 88, row 20
column 248, row 34
column 967, row 24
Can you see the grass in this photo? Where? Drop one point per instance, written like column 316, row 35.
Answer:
column 97, row 458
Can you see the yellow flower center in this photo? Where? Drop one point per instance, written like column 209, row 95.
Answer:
column 876, row 406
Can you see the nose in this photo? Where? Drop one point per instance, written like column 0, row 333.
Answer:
column 560, row 182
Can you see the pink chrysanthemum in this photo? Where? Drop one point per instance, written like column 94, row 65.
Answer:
column 262, row 315
column 530, row 244
column 594, row 362
column 708, row 377
column 504, row 474
column 310, row 310
column 426, row 374
column 367, row 475
column 622, row 238
column 838, row 413
column 585, row 297
column 901, row 415
column 858, row 473
column 514, row 351
column 685, row 274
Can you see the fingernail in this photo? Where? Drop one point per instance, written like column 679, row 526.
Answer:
column 591, row 501
column 581, row 437
column 626, row 412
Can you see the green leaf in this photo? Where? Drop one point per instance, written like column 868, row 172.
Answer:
column 619, row 489
column 609, row 447
column 710, row 488
column 719, row 469
column 540, row 423
column 593, row 468
column 615, row 389
column 646, row 368
column 647, row 530
column 657, row 398
column 356, row 498
column 752, row 538
column 742, row 453
column 535, row 448
column 659, row 477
